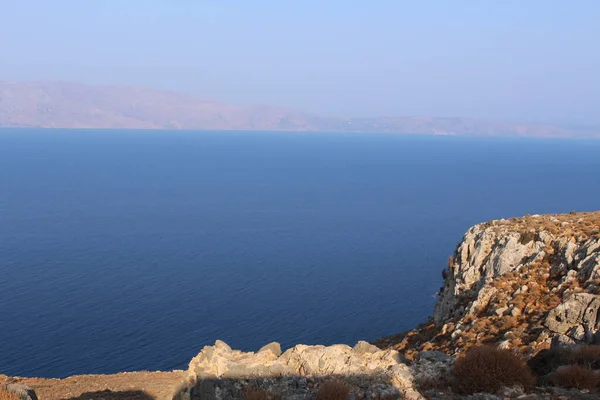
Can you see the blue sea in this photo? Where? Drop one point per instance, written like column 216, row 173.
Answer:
column 130, row 250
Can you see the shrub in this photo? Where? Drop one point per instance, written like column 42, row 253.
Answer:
column 587, row 356
column 333, row 390
column 575, row 376
column 487, row 369
column 4, row 395
column 549, row 360
column 254, row 394
column 527, row 237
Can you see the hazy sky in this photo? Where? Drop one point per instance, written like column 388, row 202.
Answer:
column 533, row 60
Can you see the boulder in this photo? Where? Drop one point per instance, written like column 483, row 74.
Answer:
column 363, row 347
column 24, row 392
column 576, row 318
column 273, row 347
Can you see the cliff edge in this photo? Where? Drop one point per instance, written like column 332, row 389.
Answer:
column 520, row 283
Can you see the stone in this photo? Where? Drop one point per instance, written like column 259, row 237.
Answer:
column 512, row 392
column 434, row 356
column 500, row 311
column 483, row 255
column 219, row 344
column 562, row 341
column 456, row 333
column 579, row 311
column 273, row 347
column 363, row 347
column 24, row 392
column 504, row 345
column 218, row 372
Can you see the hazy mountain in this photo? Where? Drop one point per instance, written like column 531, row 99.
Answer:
column 71, row 105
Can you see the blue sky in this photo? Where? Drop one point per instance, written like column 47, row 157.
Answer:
column 527, row 60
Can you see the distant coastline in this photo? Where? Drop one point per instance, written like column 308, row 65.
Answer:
column 79, row 106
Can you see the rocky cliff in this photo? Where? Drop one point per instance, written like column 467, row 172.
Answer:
column 522, row 283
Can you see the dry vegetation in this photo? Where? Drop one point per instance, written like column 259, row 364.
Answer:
column 4, row 395
column 575, row 376
column 255, row 394
column 486, row 369
column 587, row 356
column 333, row 390
column 568, row 367
column 574, row 224
column 512, row 314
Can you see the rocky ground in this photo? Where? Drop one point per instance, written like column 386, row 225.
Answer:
column 528, row 285
column 128, row 385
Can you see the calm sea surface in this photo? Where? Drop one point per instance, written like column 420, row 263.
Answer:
column 131, row 250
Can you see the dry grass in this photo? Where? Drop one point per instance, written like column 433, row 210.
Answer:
column 547, row 361
column 333, row 390
column 4, row 395
column 587, row 356
column 527, row 237
column 575, row 376
column 584, row 224
column 487, row 369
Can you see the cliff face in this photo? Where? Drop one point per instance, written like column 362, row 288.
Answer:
column 521, row 283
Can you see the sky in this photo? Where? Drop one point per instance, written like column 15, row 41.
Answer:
column 522, row 60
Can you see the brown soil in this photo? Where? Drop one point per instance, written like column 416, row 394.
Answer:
column 126, row 385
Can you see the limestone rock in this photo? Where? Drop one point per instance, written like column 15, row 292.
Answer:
column 219, row 372
column 576, row 318
column 24, row 392
column 363, row 347
column 434, row 356
column 273, row 347
column 483, row 255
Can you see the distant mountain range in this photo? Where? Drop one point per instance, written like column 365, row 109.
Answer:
column 72, row 105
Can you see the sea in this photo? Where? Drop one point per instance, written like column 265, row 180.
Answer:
column 131, row 250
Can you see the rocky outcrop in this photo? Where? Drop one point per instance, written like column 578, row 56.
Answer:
column 218, row 372
column 22, row 391
column 576, row 319
column 521, row 283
